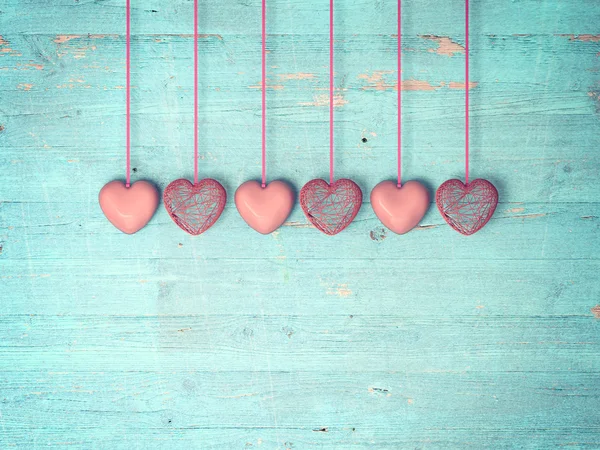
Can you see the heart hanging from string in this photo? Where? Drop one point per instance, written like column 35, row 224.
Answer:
column 129, row 207
column 467, row 207
column 264, row 207
column 332, row 206
column 400, row 207
column 195, row 207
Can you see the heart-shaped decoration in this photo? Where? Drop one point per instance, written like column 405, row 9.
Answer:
column 330, row 208
column 467, row 208
column 194, row 207
column 128, row 208
column 264, row 208
column 400, row 208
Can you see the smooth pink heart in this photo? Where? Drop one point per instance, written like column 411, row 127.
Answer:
column 194, row 207
column 330, row 208
column 129, row 208
column 264, row 208
column 467, row 208
column 400, row 208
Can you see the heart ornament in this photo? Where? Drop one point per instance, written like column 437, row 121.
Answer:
column 330, row 207
column 467, row 207
column 264, row 208
column 129, row 208
column 400, row 208
column 194, row 207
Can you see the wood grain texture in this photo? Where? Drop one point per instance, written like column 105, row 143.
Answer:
column 234, row 340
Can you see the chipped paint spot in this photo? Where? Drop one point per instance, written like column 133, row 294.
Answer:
column 376, row 80
column 425, row 227
column 596, row 311
column 5, row 48
column 378, row 235
column 62, row 38
column 323, row 100
column 454, row 85
column 582, row 37
column 341, row 291
column 296, row 76
column 275, row 87
column 35, row 66
column 410, row 401
column 24, row 86
column 446, row 46
column 529, row 216
column 515, row 210
column 298, row 224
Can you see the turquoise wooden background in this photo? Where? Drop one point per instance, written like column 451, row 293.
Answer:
column 235, row 340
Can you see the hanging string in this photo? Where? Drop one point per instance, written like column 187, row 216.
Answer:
column 467, row 91
column 331, row 78
column 399, row 93
column 264, row 93
column 127, row 92
column 195, row 91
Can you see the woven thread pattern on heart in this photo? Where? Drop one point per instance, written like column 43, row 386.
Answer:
column 330, row 208
column 467, row 208
column 195, row 207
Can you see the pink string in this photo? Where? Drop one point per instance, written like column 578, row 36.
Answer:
column 467, row 91
column 128, row 93
column 264, row 93
column 195, row 91
column 331, row 78
column 399, row 93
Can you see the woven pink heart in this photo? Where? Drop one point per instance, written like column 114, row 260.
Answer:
column 330, row 208
column 467, row 208
column 194, row 207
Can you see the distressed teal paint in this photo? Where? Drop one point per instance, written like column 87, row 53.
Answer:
column 235, row 340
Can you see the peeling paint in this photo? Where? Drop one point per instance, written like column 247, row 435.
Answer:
column 582, row 37
column 455, row 85
column 378, row 234
column 530, row 216
column 341, row 291
column 296, row 76
column 425, row 227
column 275, row 87
column 62, row 38
column 323, row 100
column 515, row 210
column 596, row 311
column 446, row 46
column 24, row 86
column 298, row 224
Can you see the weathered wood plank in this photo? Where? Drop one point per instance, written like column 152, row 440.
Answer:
column 291, row 410
column 77, row 231
column 345, row 286
column 291, row 343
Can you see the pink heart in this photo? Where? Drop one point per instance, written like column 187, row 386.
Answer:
column 194, row 207
column 330, row 208
column 128, row 208
column 467, row 208
column 400, row 208
column 264, row 209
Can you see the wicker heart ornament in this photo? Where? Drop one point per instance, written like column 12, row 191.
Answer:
column 128, row 208
column 194, row 207
column 330, row 207
column 467, row 207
